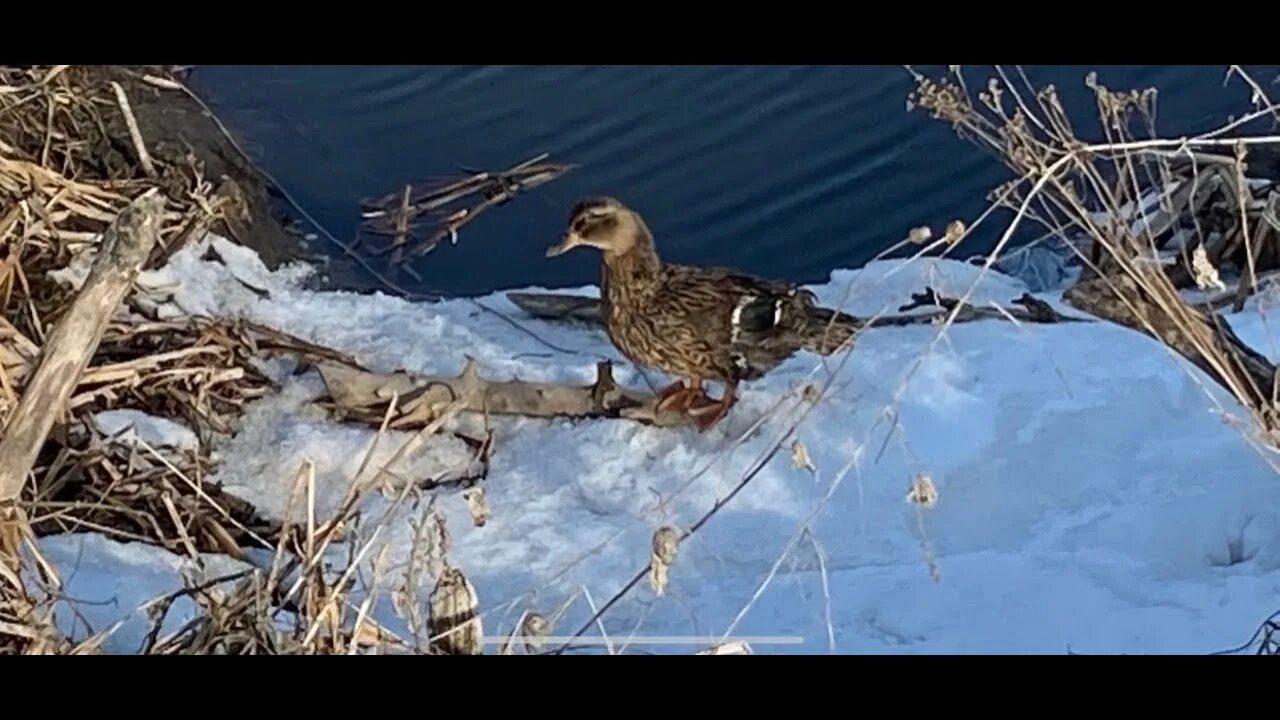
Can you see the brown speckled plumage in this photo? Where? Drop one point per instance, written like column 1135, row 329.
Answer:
column 698, row 323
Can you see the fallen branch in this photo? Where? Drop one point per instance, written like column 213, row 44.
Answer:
column 549, row 306
column 125, row 245
column 580, row 308
column 1202, row 338
column 1028, row 309
column 396, row 214
column 366, row 395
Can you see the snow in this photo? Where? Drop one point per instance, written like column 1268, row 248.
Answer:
column 105, row 582
column 128, row 426
column 1092, row 497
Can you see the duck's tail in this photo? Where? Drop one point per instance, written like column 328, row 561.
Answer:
column 773, row 322
column 827, row 331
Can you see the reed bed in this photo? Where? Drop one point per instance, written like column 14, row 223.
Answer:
column 73, row 156
column 77, row 152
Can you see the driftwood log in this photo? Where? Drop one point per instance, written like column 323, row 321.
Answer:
column 366, row 396
column 1203, row 338
column 125, row 246
column 580, row 308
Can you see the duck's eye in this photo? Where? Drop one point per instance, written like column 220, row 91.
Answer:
column 588, row 226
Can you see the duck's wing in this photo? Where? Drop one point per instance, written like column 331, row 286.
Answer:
column 746, row 322
column 718, row 299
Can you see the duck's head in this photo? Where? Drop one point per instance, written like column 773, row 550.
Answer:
column 603, row 223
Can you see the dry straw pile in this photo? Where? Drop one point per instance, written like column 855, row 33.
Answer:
column 82, row 186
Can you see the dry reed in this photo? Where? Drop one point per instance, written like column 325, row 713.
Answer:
column 1146, row 217
column 72, row 156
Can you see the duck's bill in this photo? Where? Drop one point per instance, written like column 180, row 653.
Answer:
column 562, row 247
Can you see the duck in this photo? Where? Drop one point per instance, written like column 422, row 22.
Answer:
column 697, row 323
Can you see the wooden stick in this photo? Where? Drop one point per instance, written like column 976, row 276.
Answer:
column 1156, row 309
column 125, row 245
column 559, row 307
column 365, row 395
column 134, row 133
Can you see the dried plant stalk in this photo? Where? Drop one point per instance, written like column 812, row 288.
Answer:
column 135, row 134
column 456, row 628
column 477, row 505
column 1125, row 206
column 666, row 540
column 534, row 630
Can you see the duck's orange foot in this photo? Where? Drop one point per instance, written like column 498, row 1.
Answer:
column 666, row 394
column 708, row 415
column 713, row 411
column 685, row 400
column 679, row 396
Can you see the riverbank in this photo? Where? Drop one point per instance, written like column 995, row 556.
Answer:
column 121, row 157
column 1031, row 480
column 1076, row 471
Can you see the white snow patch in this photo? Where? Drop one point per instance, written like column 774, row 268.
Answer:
column 279, row 434
column 1090, row 496
column 77, row 270
column 883, row 285
column 127, row 426
column 105, row 582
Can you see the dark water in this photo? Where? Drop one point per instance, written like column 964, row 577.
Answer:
column 781, row 171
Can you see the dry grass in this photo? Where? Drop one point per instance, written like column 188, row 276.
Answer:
column 72, row 156
column 1138, row 254
column 297, row 605
column 1155, row 223
column 198, row 373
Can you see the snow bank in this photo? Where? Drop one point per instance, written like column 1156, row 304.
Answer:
column 106, row 582
column 1090, row 496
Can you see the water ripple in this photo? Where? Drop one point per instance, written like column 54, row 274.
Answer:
column 785, row 171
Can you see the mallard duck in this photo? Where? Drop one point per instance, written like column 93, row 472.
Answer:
column 696, row 323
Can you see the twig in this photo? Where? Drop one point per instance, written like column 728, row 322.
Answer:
column 134, row 133
column 164, row 602
column 1262, row 629
column 591, row 603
